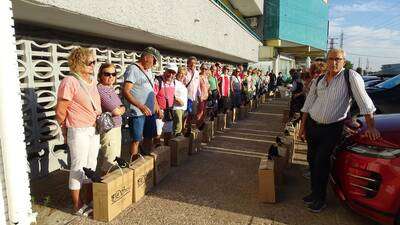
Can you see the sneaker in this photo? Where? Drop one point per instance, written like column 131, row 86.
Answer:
column 308, row 199
column 317, row 206
column 81, row 211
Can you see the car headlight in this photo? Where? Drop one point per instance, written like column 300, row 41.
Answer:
column 375, row 151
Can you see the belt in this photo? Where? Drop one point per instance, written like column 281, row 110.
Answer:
column 318, row 124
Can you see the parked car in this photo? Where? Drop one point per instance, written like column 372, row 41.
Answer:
column 366, row 174
column 368, row 78
column 386, row 95
column 371, row 83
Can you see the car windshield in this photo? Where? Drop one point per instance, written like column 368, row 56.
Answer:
column 391, row 83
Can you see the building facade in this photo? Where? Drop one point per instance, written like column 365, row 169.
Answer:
column 294, row 29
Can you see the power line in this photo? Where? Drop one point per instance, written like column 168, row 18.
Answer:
column 372, row 56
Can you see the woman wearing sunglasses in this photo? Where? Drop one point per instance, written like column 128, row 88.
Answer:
column 78, row 105
column 110, row 102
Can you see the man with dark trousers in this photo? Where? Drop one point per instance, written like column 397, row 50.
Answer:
column 324, row 112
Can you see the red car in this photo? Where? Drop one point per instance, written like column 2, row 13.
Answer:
column 366, row 174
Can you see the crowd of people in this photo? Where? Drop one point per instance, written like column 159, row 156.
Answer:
column 157, row 106
column 183, row 97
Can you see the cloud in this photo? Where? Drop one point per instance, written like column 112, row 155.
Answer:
column 364, row 6
column 380, row 44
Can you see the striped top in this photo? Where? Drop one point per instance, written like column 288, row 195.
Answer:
column 225, row 85
column 329, row 104
column 110, row 101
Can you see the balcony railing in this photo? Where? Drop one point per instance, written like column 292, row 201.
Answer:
column 236, row 18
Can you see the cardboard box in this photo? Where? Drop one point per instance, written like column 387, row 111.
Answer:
column 247, row 107
column 264, row 98
column 113, row 195
column 229, row 118
column 215, row 127
column 251, row 105
column 281, row 162
column 143, row 176
column 266, row 181
column 285, row 117
column 221, row 122
column 195, row 141
column 162, row 163
column 207, row 132
column 242, row 112
column 179, row 150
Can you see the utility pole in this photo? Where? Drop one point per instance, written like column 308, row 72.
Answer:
column 332, row 42
column 341, row 39
column 359, row 62
column 367, row 66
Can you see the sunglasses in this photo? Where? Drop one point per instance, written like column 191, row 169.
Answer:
column 107, row 74
column 91, row 63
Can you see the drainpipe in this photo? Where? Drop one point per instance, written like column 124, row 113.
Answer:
column 12, row 136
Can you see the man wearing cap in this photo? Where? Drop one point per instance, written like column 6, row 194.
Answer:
column 139, row 92
column 164, row 88
column 192, row 83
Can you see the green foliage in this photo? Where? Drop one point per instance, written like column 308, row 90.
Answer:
column 348, row 65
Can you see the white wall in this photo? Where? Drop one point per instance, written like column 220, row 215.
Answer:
column 197, row 26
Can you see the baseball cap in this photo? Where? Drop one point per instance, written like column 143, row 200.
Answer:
column 319, row 59
column 171, row 66
column 152, row 51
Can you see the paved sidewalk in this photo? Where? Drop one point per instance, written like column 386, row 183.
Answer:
column 220, row 184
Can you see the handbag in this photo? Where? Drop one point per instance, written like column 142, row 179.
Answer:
column 168, row 112
column 104, row 121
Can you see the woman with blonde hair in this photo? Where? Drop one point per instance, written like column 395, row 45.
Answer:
column 78, row 105
column 110, row 102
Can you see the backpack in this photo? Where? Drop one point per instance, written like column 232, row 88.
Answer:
column 354, row 110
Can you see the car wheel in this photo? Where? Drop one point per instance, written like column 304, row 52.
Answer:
column 378, row 111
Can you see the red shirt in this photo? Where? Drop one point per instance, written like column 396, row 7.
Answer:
column 224, row 85
column 166, row 91
column 241, row 75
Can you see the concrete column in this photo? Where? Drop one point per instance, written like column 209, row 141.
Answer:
column 12, row 136
column 276, row 64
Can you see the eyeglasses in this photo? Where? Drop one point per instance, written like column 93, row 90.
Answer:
column 107, row 74
column 335, row 59
column 91, row 63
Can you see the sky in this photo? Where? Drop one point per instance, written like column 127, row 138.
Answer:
column 371, row 30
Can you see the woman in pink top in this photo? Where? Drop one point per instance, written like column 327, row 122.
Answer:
column 78, row 105
column 204, row 91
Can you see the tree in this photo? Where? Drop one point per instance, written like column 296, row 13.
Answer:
column 348, row 65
